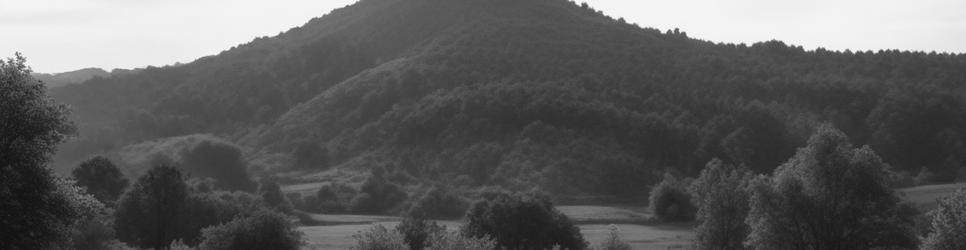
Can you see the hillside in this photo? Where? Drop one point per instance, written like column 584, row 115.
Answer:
column 68, row 78
column 528, row 93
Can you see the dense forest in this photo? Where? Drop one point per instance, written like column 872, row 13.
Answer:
column 523, row 94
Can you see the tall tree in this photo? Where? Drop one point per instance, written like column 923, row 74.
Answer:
column 721, row 195
column 522, row 221
column 828, row 196
column 33, row 213
column 101, row 178
column 149, row 215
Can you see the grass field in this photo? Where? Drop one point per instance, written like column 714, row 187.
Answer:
column 594, row 221
column 635, row 223
column 926, row 197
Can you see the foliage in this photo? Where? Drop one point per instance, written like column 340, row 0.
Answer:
column 101, row 178
column 613, row 240
column 377, row 195
column 331, row 198
column 443, row 240
column 439, row 203
column 149, row 214
column 670, row 200
column 948, row 223
column 219, row 160
column 271, row 193
column 417, row 230
column 828, row 196
column 521, row 221
column 38, row 211
column 379, row 238
column 721, row 194
column 263, row 230
column 311, row 156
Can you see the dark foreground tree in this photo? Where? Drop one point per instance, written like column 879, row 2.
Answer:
column 33, row 213
column 101, row 178
column 416, row 231
column 149, row 215
column 263, row 230
column 948, row 224
column 522, row 221
column 721, row 195
column 828, row 196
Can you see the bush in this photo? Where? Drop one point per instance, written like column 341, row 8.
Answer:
column 272, row 195
column 263, row 230
column 670, row 201
column 521, row 221
column 443, row 240
column 377, row 195
column 379, row 238
column 613, row 240
column 417, row 230
column 220, row 160
column 439, row 204
column 333, row 198
column 948, row 224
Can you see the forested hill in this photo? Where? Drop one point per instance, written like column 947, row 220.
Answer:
column 521, row 93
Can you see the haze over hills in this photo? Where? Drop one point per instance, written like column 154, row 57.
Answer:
column 527, row 93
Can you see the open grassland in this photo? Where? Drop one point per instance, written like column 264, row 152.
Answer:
column 926, row 197
column 635, row 227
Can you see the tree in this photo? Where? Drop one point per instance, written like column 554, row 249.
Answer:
column 272, row 195
column 35, row 214
column 377, row 194
column 101, row 178
column 829, row 195
column 521, row 221
column 311, row 155
column 439, row 203
column 148, row 215
column 948, row 224
column 263, row 230
column 670, row 201
column 721, row 195
column 220, row 160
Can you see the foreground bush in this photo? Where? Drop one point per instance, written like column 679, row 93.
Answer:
column 379, row 238
column 442, row 240
column 417, row 230
column 670, row 201
column 522, row 221
column 948, row 224
column 263, row 230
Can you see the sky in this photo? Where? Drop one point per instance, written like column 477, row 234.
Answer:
column 65, row 35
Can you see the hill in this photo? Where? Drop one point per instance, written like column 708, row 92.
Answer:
column 72, row 77
column 529, row 93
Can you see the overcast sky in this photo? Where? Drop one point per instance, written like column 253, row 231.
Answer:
column 64, row 35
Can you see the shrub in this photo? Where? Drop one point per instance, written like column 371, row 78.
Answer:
column 416, row 231
column 521, row 221
column 613, row 240
column 263, row 230
column 721, row 193
column 948, row 223
column 670, row 201
column 379, row 238
column 439, row 204
column 377, row 195
column 333, row 198
column 443, row 240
